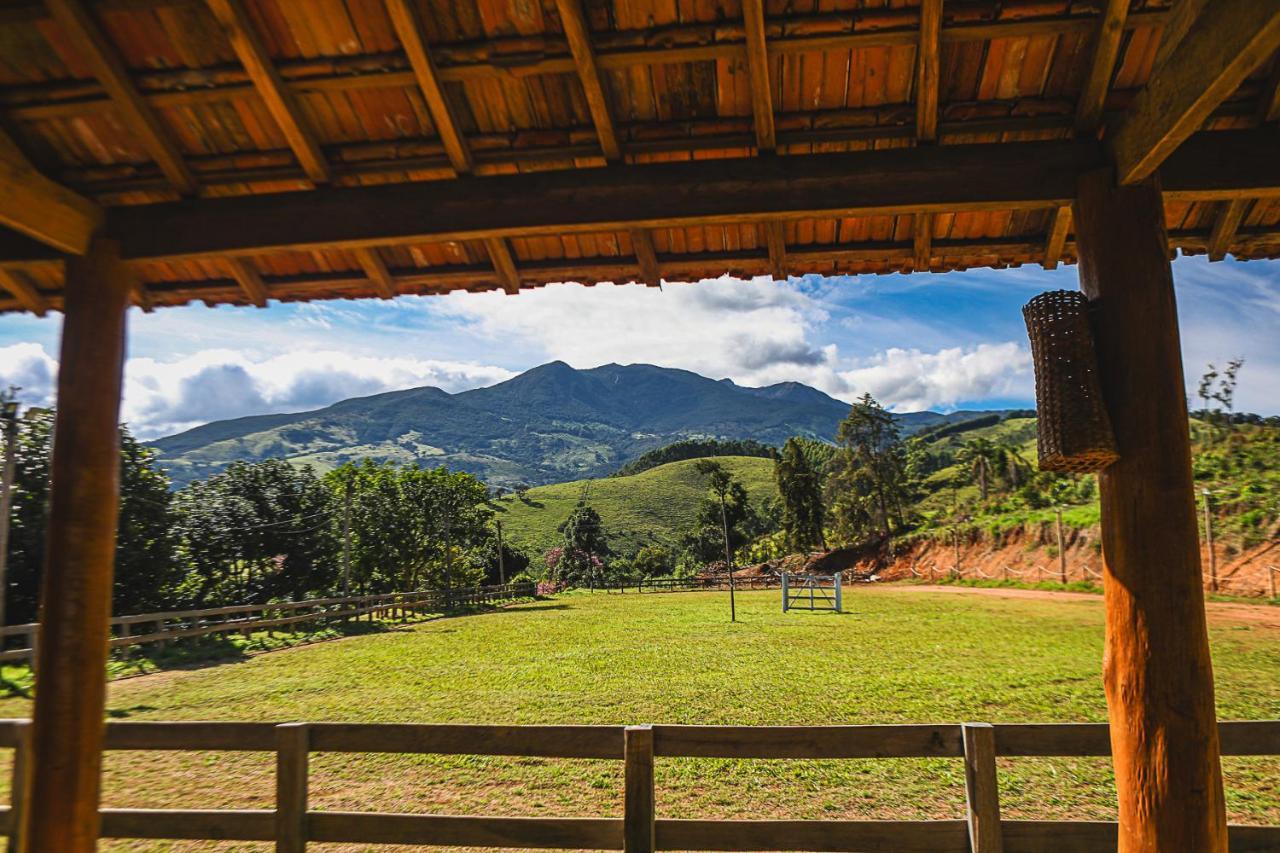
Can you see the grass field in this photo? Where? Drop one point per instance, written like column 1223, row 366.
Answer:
column 898, row 655
column 652, row 507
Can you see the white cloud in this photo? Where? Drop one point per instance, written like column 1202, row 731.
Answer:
column 910, row 380
column 28, row 367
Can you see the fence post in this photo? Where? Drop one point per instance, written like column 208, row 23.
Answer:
column 33, row 640
column 18, row 783
column 638, row 810
column 1271, row 579
column 784, row 592
column 839, row 601
column 292, row 752
column 982, row 792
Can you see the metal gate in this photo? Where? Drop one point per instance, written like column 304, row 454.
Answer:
column 811, row 592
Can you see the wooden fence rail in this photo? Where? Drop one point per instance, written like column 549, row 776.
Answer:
column 691, row 584
column 143, row 628
column 292, row 823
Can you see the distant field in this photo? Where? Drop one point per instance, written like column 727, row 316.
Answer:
column 654, row 506
column 898, row 655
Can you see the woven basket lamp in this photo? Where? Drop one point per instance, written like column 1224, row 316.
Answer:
column 1073, row 430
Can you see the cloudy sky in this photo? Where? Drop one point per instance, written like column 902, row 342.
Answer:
column 915, row 342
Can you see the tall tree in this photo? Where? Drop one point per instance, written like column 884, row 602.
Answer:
column 800, row 488
column 868, row 486
column 585, row 547
column 723, row 485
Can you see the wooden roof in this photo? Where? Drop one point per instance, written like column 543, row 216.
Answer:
column 301, row 149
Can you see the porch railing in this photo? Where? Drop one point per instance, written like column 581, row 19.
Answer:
column 293, row 823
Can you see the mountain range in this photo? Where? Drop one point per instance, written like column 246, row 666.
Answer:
column 550, row 424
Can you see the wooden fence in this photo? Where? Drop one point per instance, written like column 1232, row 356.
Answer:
column 144, row 628
column 292, row 823
column 693, row 584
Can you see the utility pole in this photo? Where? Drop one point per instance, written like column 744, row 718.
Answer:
column 9, row 413
column 1062, row 553
column 346, row 535
column 728, row 559
column 1208, row 538
column 502, row 569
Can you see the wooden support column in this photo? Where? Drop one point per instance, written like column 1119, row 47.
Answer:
column 75, row 595
column 1157, row 671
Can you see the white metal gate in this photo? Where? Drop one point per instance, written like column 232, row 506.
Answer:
column 811, row 592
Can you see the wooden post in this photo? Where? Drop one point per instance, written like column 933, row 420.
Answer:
column 1062, row 550
column 981, row 789
column 75, row 594
column 1157, row 672
column 18, row 784
column 638, row 801
column 292, row 753
column 1208, row 540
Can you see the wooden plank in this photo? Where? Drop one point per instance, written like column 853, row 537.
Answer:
column 905, row 741
column 1250, row 737
column 93, row 47
column 1059, row 227
column 1106, row 49
column 1157, row 674
column 981, row 788
column 758, row 71
column 638, row 794
column 1269, row 101
column 922, row 242
column 1224, row 165
column 566, row 833
column 1182, row 14
column 1045, row 739
column 504, row 263
column 412, row 35
column 249, row 279
column 292, row 749
column 194, row 824
column 66, row 749
column 19, row 783
column 775, row 235
column 1077, row 836
column 220, row 736
column 900, row 836
column 646, row 257
column 376, row 270
column 1221, row 48
column 1230, row 214
column 1012, row 176
column 578, row 35
column 270, row 87
column 541, row 741
column 928, row 67
column 17, row 283
column 41, row 208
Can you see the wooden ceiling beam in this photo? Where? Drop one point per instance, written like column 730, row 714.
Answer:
column 504, row 263
column 1106, row 49
column 776, row 239
column 928, row 65
column 277, row 97
column 646, row 257
column 1181, row 15
column 758, row 72
column 1220, row 49
column 375, row 269
column 922, row 242
column 26, row 294
column 1230, row 215
column 413, row 37
column 43, row 209
column 576, row 32
column 91, row 44
column 1059, row 227
column 249, row 279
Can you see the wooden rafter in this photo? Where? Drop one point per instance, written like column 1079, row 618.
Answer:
column 1269, row 103
column 413, row 37
column 584, row 58
column 91, row 45
column 776, row 237
column 928, row 70
column 758, row 71
column 277, row 97
column 1106, row 49
column 1230, row 215
column 922, row 242
column 43, row 209
column 17, row 283
column 249, row 279
column 646, row 257
column 376, row 271
column 504, row 263
column 1059, row 227
column 1181, row 16
column 1220, row 49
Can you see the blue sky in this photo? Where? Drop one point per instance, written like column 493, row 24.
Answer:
column 914, row 341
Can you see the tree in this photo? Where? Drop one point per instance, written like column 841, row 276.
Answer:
column 1221, row 389
column 800, row 488
column 868, row 486
column 653, row 561
column 586, row 545
column 723, row 485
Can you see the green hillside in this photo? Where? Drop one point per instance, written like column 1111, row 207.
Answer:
column 652, row 507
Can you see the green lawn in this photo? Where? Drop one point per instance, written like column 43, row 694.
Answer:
column 898, row 655
column 652, row 507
